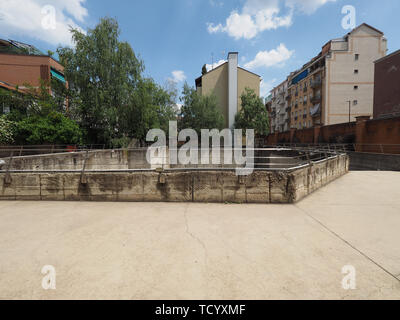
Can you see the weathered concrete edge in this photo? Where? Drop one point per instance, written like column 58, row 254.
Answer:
column 182, row 186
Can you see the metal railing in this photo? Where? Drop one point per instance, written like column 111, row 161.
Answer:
column 345, row 147
column 26, row 150
column 130, row 160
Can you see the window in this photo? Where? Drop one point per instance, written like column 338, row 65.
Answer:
column 356, row 57
column 356, row 71
column 355, row 102
column 355, row 87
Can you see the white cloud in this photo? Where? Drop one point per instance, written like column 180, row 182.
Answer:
column 24, row 18
column 260, row 15
column 215, row 65
column 216, row 3
column 214, row 29
column 266, row 87
column 307, row 6
column 178, row 76
column 274, row 57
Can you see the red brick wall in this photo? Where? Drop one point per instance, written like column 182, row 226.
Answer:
column 24, row 69
column 369, row 136
column 387, row 87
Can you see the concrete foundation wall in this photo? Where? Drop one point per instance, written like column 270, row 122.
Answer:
column 96, row 160
column 374, row 162
column 174, row 186
column 136, row 159
column 310, row 179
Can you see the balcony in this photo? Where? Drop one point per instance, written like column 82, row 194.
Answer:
column 305, row 89
column 315, row 111
column 316, row 99
column 316, row 83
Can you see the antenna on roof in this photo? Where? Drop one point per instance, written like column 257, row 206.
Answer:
column 212, row 59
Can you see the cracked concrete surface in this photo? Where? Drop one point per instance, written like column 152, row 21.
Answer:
column 208, row 251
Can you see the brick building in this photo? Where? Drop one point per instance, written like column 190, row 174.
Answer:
column 22, row 64
column 387, row 86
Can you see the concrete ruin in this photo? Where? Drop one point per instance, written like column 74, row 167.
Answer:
column 125, row 175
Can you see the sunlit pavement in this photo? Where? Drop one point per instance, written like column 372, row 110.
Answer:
column 208, row 251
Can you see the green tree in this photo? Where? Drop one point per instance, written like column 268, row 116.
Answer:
column 53, row 128
column 102, row 73
column 253, row 114
column 150, row 107
column 199, row 112
column 7, row 131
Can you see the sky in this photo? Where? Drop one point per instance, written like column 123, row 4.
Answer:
column 175, row 38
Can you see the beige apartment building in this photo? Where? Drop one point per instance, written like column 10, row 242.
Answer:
column 338, row 84
column 227, row 82
column 279, row 108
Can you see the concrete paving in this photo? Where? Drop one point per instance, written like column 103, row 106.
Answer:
column 208, row 251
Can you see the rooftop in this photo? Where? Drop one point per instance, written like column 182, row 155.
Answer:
column 16, row 47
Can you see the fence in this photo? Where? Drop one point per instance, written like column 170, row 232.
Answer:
column 95, row 160
column 368, row 136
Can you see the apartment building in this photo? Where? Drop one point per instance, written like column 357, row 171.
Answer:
column 227, row 82
column 279, row 108
column 387, row 87
column 337, row 85
column 22, row 64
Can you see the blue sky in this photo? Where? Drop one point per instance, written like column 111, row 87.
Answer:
column 176, row 37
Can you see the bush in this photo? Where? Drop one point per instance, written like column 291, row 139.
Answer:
column 53, row 128
column 7, row 131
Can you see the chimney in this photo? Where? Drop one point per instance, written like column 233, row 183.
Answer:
column 232, row 87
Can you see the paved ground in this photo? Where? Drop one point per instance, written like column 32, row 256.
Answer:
column 208, row 251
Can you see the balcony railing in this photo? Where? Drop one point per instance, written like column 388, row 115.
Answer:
column 316, row 99
column 316, row 83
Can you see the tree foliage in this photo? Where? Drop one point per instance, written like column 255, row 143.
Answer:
column 53, row 128
column 108, row 95
column 253, row 114
column 7, row 131
column 199, row 112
